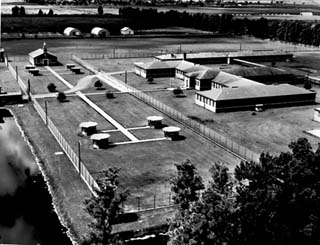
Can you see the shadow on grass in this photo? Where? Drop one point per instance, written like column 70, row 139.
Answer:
column 178, row 138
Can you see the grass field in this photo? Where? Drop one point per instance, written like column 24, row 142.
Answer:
column 268, row 131
column 143, row 84
column 142, row 45
column 146, row 167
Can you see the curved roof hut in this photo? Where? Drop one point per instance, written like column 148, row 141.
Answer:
column 100, row 32
column 71, row 31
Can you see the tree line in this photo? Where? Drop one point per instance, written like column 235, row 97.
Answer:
column 296, row 31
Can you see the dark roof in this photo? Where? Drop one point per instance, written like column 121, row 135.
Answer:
column 257, row 71
column 39, row 52
column 195, row 68
column 158, row 65
column 254, row 92
column 208, row 74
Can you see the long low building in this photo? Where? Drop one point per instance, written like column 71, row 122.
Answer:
column 217, row 58
column 156, row 69
column 249, row 97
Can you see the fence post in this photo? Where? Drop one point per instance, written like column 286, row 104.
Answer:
column 46, row 110
column 154, row 201
column 79, row 157
column 138, row 200
column 17, row 73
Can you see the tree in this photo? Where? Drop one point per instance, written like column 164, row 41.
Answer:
column 186, row 185
column 210, row 219
column 307, row 84
column 51, row 87
column 98, row 84
column 50, row 13
column 109, row 95
column 15, row 11
column 105, row 208
column 278, row 199
column 22, row 11
column 61, row 97
column 177, row 92
column 40, row 13
column 100, row 10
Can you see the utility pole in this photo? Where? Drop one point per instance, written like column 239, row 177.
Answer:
column 125, row 77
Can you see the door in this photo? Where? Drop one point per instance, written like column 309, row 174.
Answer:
column 46, row 62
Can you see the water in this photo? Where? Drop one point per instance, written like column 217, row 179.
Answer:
column 26, row 213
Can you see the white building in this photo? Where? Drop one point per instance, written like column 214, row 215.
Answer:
column 100, row 32
column 126, row 31
column 70, row 31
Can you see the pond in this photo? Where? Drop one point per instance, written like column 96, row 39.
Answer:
column 26, row 212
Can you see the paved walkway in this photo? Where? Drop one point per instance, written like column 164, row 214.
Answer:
column 96, row 108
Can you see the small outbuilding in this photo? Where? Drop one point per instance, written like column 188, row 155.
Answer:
column 100, row 32
column 171, row 132
column 126, row 31
column 100, row 141
column 156, row 69
column 71, row 31
column 41, row 57
column 155, row 121
column 316, row 116
column 88, row 128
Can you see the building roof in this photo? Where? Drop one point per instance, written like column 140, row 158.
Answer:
column 184, row 65
column 71, row 30
column 39, row 52
column 196, row 68
column 208, row 74
column 203, row 55
column 126, row 29
column 98, row 31
column 230, row 80
column 157, row 65
column 256, row 71
column 253, row 92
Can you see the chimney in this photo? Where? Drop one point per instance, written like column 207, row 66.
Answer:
column 44, row 47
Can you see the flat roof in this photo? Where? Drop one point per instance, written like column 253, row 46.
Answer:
column 158, row 65
column 218, row 55
column 247, row 92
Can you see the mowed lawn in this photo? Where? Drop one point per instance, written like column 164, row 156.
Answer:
column 268, row 131
column 141, row 83
column 39, row 83
column 145, row 167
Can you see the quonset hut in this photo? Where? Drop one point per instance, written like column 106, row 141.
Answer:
column 70, row 31
column 41, row 57
column 100, row 32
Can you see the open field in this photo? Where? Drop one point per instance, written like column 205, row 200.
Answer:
column 123, row 46
column 143, row 84
column 7, row 83
column 268, row 131
column 143, row 174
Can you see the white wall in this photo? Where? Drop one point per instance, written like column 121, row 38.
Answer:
column 205, row 102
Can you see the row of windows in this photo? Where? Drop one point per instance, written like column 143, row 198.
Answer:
column 205, row 100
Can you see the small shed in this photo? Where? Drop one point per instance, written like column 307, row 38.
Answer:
column 316, row 116
column 171, row 132
column 100, row 32
column 126, row 31
column 88, row 128
column 41, row 57
column 71, row 31
column 100, row 141
column 155, row 121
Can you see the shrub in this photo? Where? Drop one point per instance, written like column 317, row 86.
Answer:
column 98, row 84
column 51, row 87
column 109, row 95
column 307, row 85
column 61, row 97
column 177, row 91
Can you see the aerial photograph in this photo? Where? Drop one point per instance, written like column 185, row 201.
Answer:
column 162, row 122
